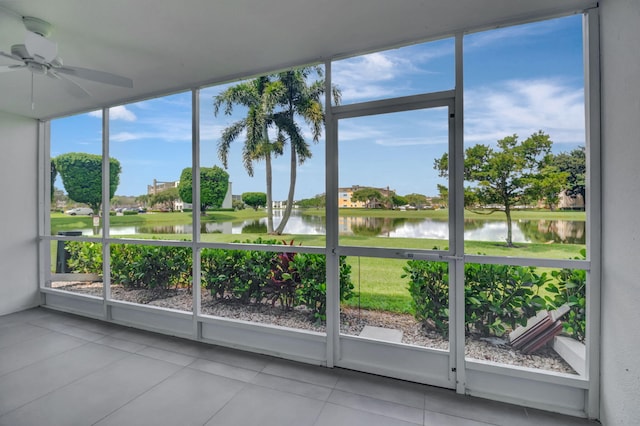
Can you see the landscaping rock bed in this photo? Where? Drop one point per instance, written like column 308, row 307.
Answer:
column 352, row 322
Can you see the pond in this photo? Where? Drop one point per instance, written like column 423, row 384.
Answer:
column 524, row 231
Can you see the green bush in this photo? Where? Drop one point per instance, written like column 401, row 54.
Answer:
column 266, row 277
column 129, row 212
column 429, row 290
column 570, row 289
column 497, row 297
column 235, row 274
column 500, row 297
column 312, row 286
column 246, row 276
column 152, row 267
column 84, row 257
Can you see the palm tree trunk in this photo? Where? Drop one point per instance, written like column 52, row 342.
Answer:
column 292, row 190
column 267, row 160
column 269, row 173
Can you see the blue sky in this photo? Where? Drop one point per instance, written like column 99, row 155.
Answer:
column 517, row 80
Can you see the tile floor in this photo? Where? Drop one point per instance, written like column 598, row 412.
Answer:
column 60, row 369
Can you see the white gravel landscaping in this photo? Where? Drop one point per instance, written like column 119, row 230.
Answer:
column 352, row 322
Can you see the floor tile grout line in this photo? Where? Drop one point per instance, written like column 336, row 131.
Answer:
column 71, row 382
column 34, row 337
column 288, row 392
column 377, row 414
column 125, row 350
column 244, row 386
column 381, row 400
column 85, row 342
column 132, row 399
column 317, row 419
column 304, row 382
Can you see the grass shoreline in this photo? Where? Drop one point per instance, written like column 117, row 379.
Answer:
column 378, row 280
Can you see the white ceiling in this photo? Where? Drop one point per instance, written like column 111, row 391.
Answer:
column 169, row 45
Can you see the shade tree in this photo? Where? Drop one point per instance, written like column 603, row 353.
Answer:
column 575, row 165
column 214, row 184
column 254, row 199
column 369, row 196
column 81, row 175
column 167, row 197
column 512, row 173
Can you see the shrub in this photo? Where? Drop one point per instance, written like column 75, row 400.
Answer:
column 497, row 297
column 283, row 280
column 312, row 287
column 429, row 290
column 84, row 257
column 235, row 274
column 292, row 279
column 153, row 267
column 500, row 297
column 570, row 289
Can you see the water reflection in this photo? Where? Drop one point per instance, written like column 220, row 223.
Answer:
column 524, row 231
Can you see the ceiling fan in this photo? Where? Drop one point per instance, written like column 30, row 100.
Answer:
column 39, row 55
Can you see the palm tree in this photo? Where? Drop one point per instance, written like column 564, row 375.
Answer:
column 259, row 96
column 303, row 100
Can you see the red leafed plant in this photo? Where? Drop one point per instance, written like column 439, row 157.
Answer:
column 283, row 280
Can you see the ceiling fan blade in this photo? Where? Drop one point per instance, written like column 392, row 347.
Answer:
column 71, row 86
column 40, row 48
column 8, row 68
column 10, row 56
column 94, row 75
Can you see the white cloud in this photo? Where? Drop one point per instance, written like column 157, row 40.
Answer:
column 380, row 74
column 524, row 107
column 373, row 67
column 353, row 132
column 116, row 113
column 515, row 34
column 127, row 136
column 360, row 77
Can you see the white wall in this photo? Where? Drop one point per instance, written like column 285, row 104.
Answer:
column 620, row 363
column 18, row 214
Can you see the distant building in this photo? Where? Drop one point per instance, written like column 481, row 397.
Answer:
column 279, row 204
column 159, row 186
column 345, row 194
column 570, row 202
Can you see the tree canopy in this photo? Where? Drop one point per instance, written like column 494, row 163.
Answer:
column 398, row 200
column 214, row 183
column 81, row 175
column 254, row 199
column 574, row 164
column 416, row 200
column 259, row 97
column 371, row 197
column 280, row 102
column 514, row 173
column 167, row 197
column 319, row 201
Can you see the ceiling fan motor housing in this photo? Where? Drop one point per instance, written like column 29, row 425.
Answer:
column 38, row 26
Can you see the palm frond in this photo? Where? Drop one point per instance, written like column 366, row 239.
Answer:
column 228, row 136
